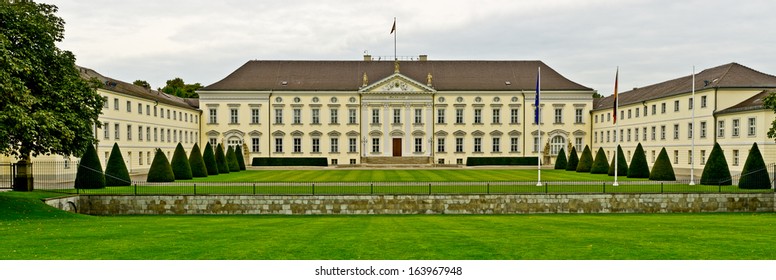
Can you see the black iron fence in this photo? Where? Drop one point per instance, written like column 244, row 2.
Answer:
column 6, row 175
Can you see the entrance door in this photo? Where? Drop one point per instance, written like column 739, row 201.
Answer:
column 397, row 147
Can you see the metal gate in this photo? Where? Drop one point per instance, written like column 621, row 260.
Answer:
column 6, row 175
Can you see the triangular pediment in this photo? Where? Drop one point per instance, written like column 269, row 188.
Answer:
column 397, row 83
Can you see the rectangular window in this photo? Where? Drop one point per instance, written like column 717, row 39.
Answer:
column 155, row 109
column 140, row 158
column 653, row 133
column 316, row 145
column 676, row 131
column 477, row 116
column 578, row 115
column 496, row 115
column 514, row 144
column 459, row 116
column 720, row 129
column 629, row 113
column 213, row 142
column 334, row 115
column 752, row 127
column 653, row 156
column 375, row 145
column 578, row 143
column 278, row 145
column 440, row 145
column 662, row 132
column 418, row 145
column 690, row 104
column 169, row 139
column 297, row 116
column 334, row 143
column 654, row 109
column 536, row 144
column 595, row 118
column 689, row 157
column 375, row 116
column 644, row 134
column 676, row 105
column 116, row 131
column 278, row 116
column 255, row 144
column 297, row 145
column 418, row 116
column 233, row 116
column 148, row 110
column 735, row 157
column 168, row 114
column 255, row 116
column 105, row 102
column 352, row 116
column 139, row 108
column 106, row 130
column 621, row 135
column 608, row 117
column 129, row 132
column 608, row 136
column 316, row 116
column 703, row 157
column 637, row 112
column 496, row 145
column 663, row 108
column 396, row 116
column 129, row 106
column 595, row 137
column 514, row 116
column 459, row 145
column 440, row 116
column 477, row 145
column 703, row 101
column 186, row 117
column 352, row 145
column 174, row 115
column 676, row 157
column 148, row 134
column 636, row 134
column 703, row 129
column 115, row 103
column 735, row 127
column 155, row 134
column 213, row 116
column 629, row 134
column 689, row 130
column 558, row 115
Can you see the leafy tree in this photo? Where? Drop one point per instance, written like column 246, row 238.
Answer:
column 573, row 160
column 180, row 164
column 89, row 175
column 662, row 170
column 197, row 163
column 178, row 88
column 223, row 165
column 240, row 158
column 716, row 171
column 755, row 175
column 45, row 105
column 585, row 161
column 231, row 160
column 622, row 165
column 770, row 103
column 600, row 166
column 638, row 167
column 142, row 83
column 160, row 170
column 210, row 160
column 116, row 173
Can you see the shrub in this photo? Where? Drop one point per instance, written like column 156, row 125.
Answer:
column 89, row 175
column 560, row 161
column 755, row 175
column 716, row 171
column 197, row 163
column 210, row 160
column 231, row 160
column 180, row 164
column 116, row 173
column 160, row 171
column 662, row 170
column 573, row 160
column 295, row 161
column 600, row 166
column 476, row 161
column 585, row 161
column 223, row 167
column 638, row 167
column 240, row 159
column 622, row 165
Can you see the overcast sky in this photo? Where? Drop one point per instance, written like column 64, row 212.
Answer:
column 203, row 41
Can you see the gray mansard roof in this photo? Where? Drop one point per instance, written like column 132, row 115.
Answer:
column 262, row 75
column 138, row 91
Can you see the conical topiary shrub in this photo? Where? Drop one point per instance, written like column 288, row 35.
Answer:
column 560, row 161
column 638, row 167
column 600, row 166
column 116, row 173
column 197, row 164
column 622, row 165
column 160, row 170
column 573, row 160
column 662, row 170
column 223, row 166
column 180, row 164
column 89, row 175
column 716, row 171
column 210, row 160
column 755, row 175
column 240, row 158
column 231, row 160
column 585, row 161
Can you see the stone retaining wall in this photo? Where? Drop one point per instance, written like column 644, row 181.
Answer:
column 423, row 204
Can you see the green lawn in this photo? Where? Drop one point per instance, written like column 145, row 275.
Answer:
column 31, row 230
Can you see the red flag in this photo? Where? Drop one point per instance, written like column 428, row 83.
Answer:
column 616, row 76
column 393, row 29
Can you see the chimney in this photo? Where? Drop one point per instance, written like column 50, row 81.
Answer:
column 423, row 57
column 367, row 57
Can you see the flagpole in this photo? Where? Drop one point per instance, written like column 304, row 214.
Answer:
column 395, row 58
column 692, row 151
column 539, row 125
column 616, row 125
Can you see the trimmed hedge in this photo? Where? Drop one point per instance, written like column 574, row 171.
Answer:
column 622, row 165
column 716, row 171
column 600, row 166
column 231, row 160
column 160, row 171
column 180, row 164
column 89, row 175
column 662, row 170
column 585, row 161
column 573, row 160
column 210, row 160
column 755, row 175
column 638, row 167
column 560, row 160
column 240, row 159
column 477, row 161
column 295, row 161
column 116, row 174
column 223, row 166
column 197, row 163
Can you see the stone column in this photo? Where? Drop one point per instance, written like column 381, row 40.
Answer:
column 23, row 180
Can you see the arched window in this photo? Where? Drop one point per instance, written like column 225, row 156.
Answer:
column 233, row 142
column 556, row 143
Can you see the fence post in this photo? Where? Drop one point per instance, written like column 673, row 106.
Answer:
column 371, row 188
column 546, row 189
column 254, row 188
column 135, row 188
column 429, row 188
column 488, row 188
column 604, row 184
column 313, row 188
column 195, row 189
column 661, row 187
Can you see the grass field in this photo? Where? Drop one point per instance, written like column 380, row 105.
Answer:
column 31, row 230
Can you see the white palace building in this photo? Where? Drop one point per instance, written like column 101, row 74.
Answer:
column 369, row 112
